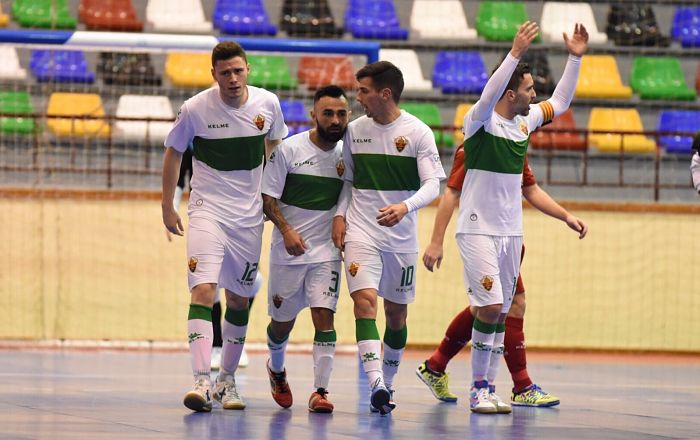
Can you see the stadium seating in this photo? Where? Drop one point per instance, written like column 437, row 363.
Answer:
column 659, row 78
column 74, row 106
column 430, row 114
column 10, row 67
column 631, row 24
column 60, row 66
column 177, row 16
column 617, row 119
column 323, row 70
column 686, row 26
column 189, row 69
column 295, row 116
column 53, row 14
column 109, row 15
column 600, row 78
column 558, row 17
column 407, row 61
column 238, row 17
column 127, row 69
column 143, row 106
column 375, row 19
column 500, row 20
column 440, row 19
column 309, row 19
column 20, row 103
column 680, row 121
column 270, row 72
column 4, row 19
column 459, row 72
column 546, row 139
column 458, row 122
column 540, row 71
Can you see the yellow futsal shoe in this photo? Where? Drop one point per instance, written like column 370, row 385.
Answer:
column 436, row 382
column 534, row 396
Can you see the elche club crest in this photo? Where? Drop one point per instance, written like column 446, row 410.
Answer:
column 487, row 282
column 192, row 264
column 353, row 268
column 277, row 300
column 523, row 128
column 340, row 168
column 400, row 143
column 259, row 121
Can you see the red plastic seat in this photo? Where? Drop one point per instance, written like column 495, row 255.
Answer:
column 317, row 71
column 109, row 15
column 546, row 139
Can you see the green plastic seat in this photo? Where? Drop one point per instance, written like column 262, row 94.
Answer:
column 430, row 114
column 43, row 14
column 499, row 21
column 270, row 71
column 660, row 78
column 16, row 102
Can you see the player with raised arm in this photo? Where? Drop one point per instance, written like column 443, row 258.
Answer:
column 301, row 185
column 231, row 126
column 489, row 231
column 392, row 169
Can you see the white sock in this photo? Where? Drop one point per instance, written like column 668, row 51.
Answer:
column 323, row 352
column 234, row 341
column 369, row 351
column 482, row 343
column 277, row 352
column 200, row 334
column 496, row 355
column 390, row 365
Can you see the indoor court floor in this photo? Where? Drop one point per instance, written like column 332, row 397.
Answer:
column 101, row 394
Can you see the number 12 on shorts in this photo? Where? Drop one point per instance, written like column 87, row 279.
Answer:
column 249, row 272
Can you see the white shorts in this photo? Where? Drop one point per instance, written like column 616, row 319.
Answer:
column 222, row 255
column 291, row 288
column 393, row 275
column 491, row 267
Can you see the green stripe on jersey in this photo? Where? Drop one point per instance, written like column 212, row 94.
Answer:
column 383, row 172
column 230, row 154
column 484, row 151
column 311, row 192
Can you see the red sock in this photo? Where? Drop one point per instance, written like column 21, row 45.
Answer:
column 457, row 335
column 515, row 355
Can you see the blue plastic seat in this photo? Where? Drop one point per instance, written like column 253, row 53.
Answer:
column 459, row 72
column 686, row 26
column 682, row 121
column 242, row 18
column 375, row 19
column 295, row 116
column 60, row 66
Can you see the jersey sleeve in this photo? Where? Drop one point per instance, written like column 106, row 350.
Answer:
column 529, row 178
column 349, row 173
column 182, row 133
column 278, row 129
column 275, row 173
column 428, row 159
column 540, row 114
column 457, row 174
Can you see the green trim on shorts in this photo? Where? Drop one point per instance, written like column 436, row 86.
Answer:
column 366, row 329
column 501, row 327
column 396, row 339
column 271, row 336
column 198, row 311
column 483, row 327
column 325, row 336
column 237, row 317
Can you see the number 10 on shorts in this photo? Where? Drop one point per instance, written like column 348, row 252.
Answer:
column 407, row 276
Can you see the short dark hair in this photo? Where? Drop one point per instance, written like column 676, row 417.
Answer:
column 516, row 78
column 227, row 50
column 384, row 75
column 330, row 90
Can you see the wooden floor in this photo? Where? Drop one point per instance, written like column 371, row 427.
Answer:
column 59, row 394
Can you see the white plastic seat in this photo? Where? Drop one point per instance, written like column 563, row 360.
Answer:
column 407, row 61
column 143, row 106
column 443, row 19
column 177, row 16
column 558, row 17
column 10, row 67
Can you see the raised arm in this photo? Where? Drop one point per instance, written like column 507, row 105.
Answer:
column 577, row 45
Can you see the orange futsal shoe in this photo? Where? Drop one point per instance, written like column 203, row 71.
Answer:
column 280, row 388
column 318, row 402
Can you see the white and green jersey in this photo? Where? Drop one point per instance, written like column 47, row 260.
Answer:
column 307, row 182
column 386, row 165
column 229, row 147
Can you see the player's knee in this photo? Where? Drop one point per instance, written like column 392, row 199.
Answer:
column 517, row 309
column 396, row 315
column 365, row 304
column 489, row 313
column 204, row 294
column 322, row 318
column 281, row 330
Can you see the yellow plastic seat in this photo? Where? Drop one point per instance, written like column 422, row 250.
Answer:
column 458, row 122
column 600, row 78
column 616, row 119
column 189, row 69
column 75, row 105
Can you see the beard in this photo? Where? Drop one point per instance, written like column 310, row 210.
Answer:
column 330, row 136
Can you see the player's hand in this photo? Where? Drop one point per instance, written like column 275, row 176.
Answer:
column 172, row 221
column 577, row 225
column 293, row 242
column 523, row 38
column 432, row 256
column 168, row 235
column 338, row 232
column 577, row 45
column 392, row 214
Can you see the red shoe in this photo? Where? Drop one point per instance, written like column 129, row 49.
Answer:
column 280, row 388
column 319, row 403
